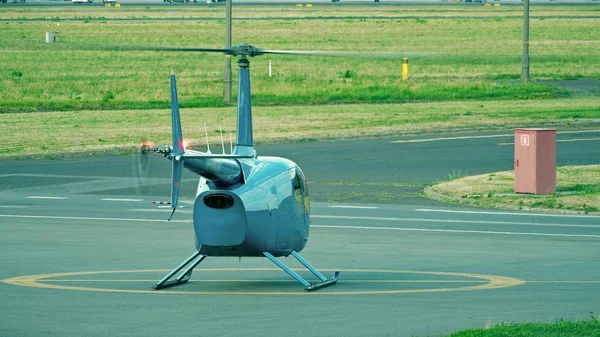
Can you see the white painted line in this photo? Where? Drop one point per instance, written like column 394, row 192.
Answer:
column 449, row 138
column 507, row 213
column 163, row 210
column 458, row 221
column 480, row 137
column 316, row 226
column 126, row 200
column 563, row 141
column 42, row 197
column 87, row 218
column 12, row 206
column 357, row 207
column 457, row 231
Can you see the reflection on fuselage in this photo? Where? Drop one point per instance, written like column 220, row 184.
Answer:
column 269, row 213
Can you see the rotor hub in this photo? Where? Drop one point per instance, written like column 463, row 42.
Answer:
column 244, row 49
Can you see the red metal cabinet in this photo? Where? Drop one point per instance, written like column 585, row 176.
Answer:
column 535, row 161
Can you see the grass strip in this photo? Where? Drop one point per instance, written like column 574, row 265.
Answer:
column 577, row 189
column 560, row 328
column 96, row 130
column 35, row 76
column 289, row 11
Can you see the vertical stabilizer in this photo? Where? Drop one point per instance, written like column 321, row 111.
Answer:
column 244, row 143
column 177, row 146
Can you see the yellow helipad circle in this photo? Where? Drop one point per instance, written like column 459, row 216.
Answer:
column 481, row 282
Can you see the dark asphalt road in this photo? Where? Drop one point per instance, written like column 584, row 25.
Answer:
column 410, row 267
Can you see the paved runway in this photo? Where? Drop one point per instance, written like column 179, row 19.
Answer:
column 81, row 244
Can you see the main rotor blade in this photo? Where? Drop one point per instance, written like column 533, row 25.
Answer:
column 348, row 53
column 152, row 48
column 248, row 50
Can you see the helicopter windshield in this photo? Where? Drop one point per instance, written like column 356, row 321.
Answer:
column 301, row 189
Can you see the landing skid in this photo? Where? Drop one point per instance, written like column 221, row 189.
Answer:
column 307, row 285
column 184, row 276
column 196, row 258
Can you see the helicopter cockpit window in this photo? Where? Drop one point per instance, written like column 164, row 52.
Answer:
column 301, row 189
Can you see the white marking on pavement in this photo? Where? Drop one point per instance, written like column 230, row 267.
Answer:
column 457, row 221
column 449, row 138
column 506, row 213
column 163, row 210
column 455, row 231
column 563, row 140
column 126, row 200
column 42, row 197
column 316, row 226
column 357, row 207
column 12, row 206
column 86, row 218
column 480, row 137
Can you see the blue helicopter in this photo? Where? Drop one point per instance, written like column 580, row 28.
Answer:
column 249, row 205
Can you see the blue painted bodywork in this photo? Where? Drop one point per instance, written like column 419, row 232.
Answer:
column 270, row 212
column 252, row 205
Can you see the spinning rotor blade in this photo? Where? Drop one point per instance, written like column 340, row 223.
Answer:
column 152, row 48
column 249, row 50
column 178, row 149
column 347, row 53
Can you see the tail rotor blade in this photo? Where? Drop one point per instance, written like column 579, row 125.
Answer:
column 176, row 182
column 178, row 148
column 176, row 120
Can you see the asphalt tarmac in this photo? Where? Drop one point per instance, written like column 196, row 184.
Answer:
column 81, row 244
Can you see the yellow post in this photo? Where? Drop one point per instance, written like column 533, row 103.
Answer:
column 298, row 5
column 107, row 5
column 118, row 5
column 405, row 69
column 308, row 5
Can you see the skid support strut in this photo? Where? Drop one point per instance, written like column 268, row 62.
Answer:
column 184, row 276
column 307, row 285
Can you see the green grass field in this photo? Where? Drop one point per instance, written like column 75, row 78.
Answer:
column 577, row 189
column 560, row 328
column 77, row 100
column 474, row 58
column 103, row 130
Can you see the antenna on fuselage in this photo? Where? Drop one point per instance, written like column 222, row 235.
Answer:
column 206, row 135
column 230, row 144
column 222, row 143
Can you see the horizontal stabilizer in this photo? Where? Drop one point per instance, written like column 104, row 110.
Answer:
column 189, row 155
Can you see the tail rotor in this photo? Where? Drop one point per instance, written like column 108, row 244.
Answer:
column 178, row 149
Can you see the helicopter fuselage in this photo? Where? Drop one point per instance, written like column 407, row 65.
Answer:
column 267, row 210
